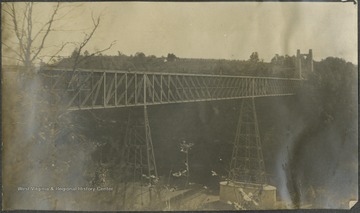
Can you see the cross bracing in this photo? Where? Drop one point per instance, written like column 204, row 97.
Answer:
column 97, row 89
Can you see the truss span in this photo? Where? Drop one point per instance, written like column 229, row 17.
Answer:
column 97, row 89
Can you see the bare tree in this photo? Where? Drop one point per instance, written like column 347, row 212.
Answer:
column 30, row 37
column 29, row 41
column 96, row 22
column 185, row 148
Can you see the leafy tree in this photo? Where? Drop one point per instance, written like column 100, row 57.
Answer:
column 277, row 60
column 185, row 148
column 254, row 66
column 254, row 57
column 139, row 60
column 289, row 61
column 327, row 104
column 74, row 53
column 171, row 57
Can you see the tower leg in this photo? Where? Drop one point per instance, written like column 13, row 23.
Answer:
column 247, row 163
column 152, row 170
column 139, row 151
column 139, row 157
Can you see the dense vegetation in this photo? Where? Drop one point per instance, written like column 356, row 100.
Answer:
column 324, row 153
column 282, row 66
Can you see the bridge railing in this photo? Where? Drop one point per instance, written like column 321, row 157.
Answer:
column 92, row 89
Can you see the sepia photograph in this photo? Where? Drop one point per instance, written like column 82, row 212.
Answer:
column 179, row 106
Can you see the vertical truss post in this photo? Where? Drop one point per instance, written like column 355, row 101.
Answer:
column 247, row 163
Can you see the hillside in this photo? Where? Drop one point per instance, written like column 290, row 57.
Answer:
column 171, row 64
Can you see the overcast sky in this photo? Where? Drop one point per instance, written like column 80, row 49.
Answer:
column 230, row 30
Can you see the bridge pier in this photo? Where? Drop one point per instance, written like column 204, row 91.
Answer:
column 247, row 176
column 139, row 151
column 247, row 163
column 139, row 157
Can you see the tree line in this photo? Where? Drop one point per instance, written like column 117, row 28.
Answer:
column 280, row 66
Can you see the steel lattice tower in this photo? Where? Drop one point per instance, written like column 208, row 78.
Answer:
column 139, row 152
column 247, row 163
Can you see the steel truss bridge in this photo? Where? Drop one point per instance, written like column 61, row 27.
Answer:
column 101, row 89
column 98, row 89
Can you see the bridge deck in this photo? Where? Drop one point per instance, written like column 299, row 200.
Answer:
column 94, row 89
